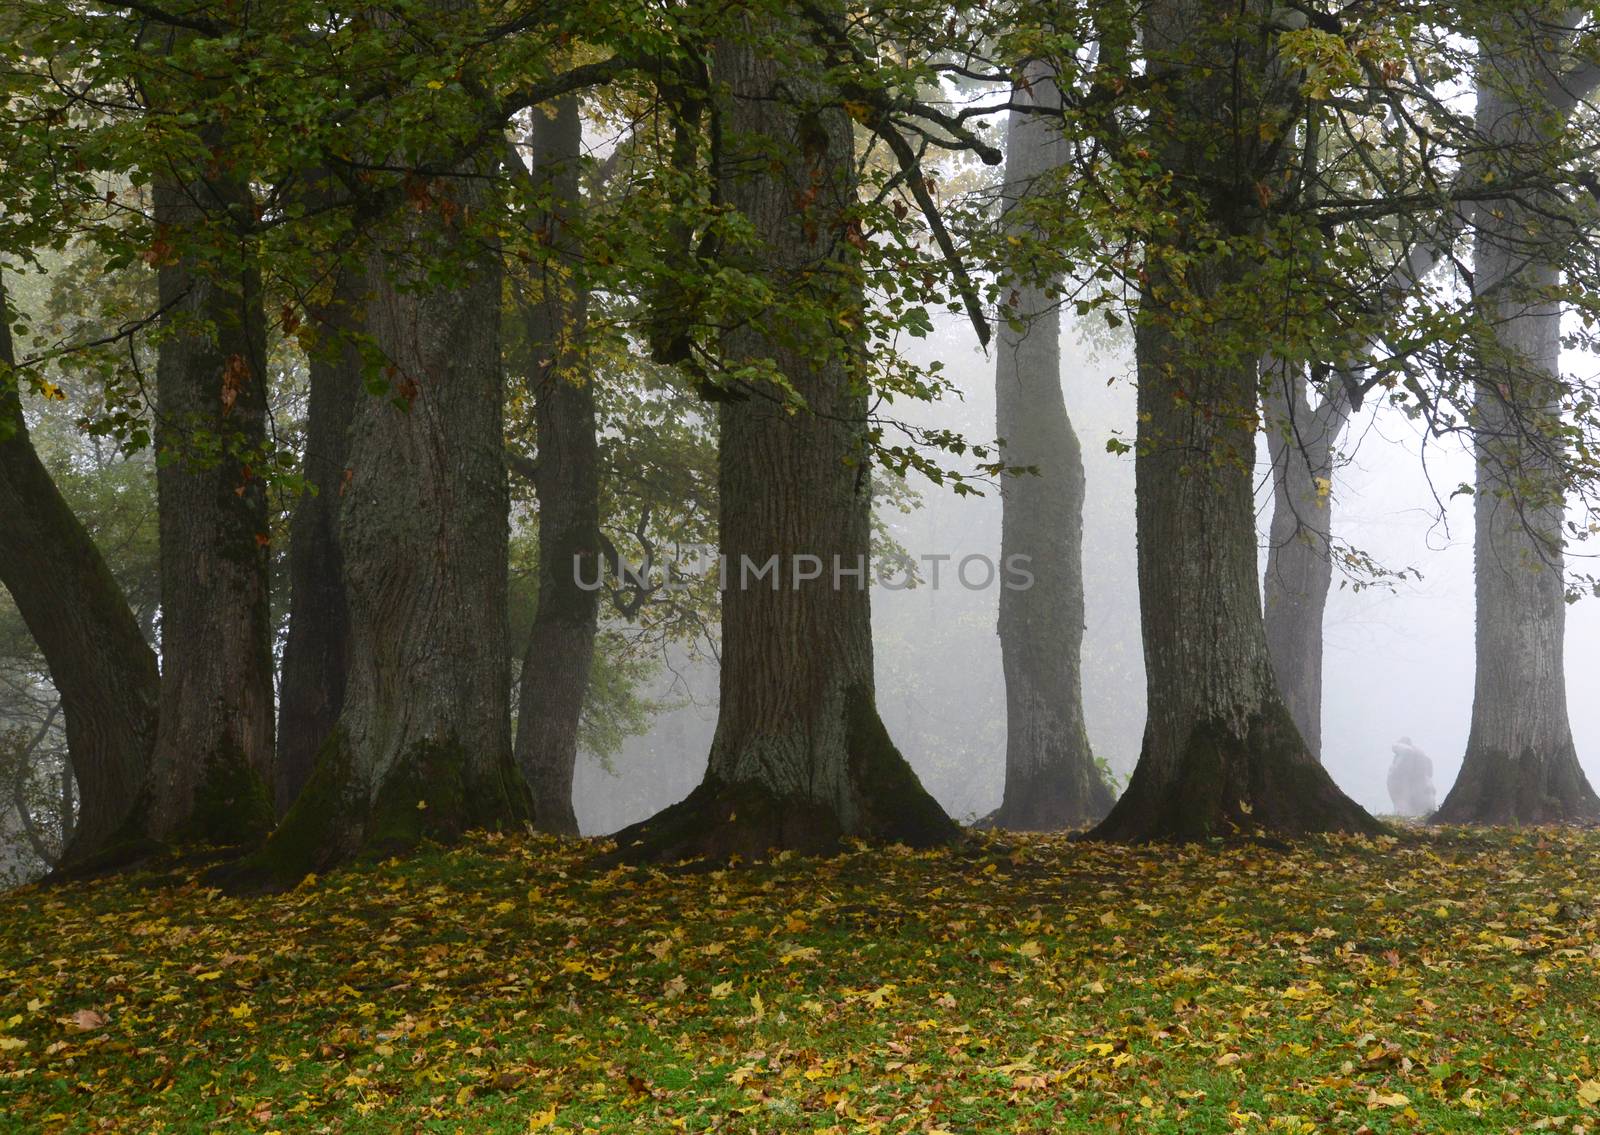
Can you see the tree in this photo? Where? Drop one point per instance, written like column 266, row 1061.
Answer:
column 1301, row 441
column 1052, row 780
column 800, row 758
column 1520, row 764
column 213, row 752
column 561, row 644
column 422, row 748
column 1221, row 752
column 100, row 663
column 316, row 651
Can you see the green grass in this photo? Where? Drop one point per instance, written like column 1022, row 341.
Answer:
column 1430, row 983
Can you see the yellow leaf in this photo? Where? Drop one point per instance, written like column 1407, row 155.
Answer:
column 721, row 989
column 11, row 1043
column 760, row 1007
column 540, row 1120
column 1588, row 1091
column 1376, row 1099
column 1030, row 949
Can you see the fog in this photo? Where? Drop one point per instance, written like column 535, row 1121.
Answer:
column 1398, row 658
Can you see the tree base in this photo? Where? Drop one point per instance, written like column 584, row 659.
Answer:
column 1052, row 804
column 555, row 817
column 429, row 795
column 1492, row 788
column 1234, row 783
column 719, row 820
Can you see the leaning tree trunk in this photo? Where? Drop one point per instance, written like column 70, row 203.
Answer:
column 213, row 752
column 100, row 663
column 800, row 758
column 422, row 749
column 1221, row 752
column 560, row 650
column 1520, row 765
column 311, row 689
column 1301, row 442
column 1052, row 781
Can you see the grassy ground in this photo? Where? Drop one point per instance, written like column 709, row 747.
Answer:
column 1439, row 983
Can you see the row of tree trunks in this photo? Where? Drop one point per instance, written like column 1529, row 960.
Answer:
column 800, row 758
column 1051, row 780
column 1520, row 764
column 100, row 663
column 561, row 644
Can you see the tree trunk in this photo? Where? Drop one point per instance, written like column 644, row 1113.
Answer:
column 100, row 663
column 311, row 690
column 800, row 758
column 1052, row 781
column 1520, row 765
column 213, row 752
column 1221, row 753
column 422, row 749
column 560, row 651
column 1299, row 573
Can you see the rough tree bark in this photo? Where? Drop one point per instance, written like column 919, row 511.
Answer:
column 1221, row 752
column 311, row 689
column 1520, row 765
column 102, row 667
column 560, row 649
column 213, row 752
column 1052, row 781
column 422, row 748
column 800, row 758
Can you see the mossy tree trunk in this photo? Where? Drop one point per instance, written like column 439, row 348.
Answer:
column 1520, row 765
column 311, row 688
column 800, row 758
column 100, row 663
column 422, row 748
column 1052, row 781
column 1221, row 753
column 561, row 643
column 213, row 751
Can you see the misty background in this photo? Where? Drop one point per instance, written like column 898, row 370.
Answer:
column 1399, row 654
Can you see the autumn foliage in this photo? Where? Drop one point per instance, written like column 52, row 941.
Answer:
column 1414, row 983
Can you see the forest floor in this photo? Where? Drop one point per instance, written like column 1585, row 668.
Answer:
column 1441, row 982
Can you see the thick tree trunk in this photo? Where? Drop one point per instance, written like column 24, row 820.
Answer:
column 102, row 667
column 800, row 758
column 213, row 753
column 560, row 650
column 1299, row 573
column 1221, row 752
column 422, row 748
column 1520, row 765
column 1052, row 781
column 311, row 690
